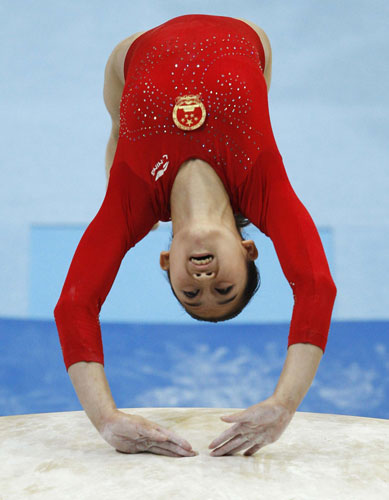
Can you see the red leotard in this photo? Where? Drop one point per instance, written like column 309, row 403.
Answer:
column 221, row 60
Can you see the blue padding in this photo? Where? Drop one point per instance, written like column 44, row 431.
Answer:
column 207, row 365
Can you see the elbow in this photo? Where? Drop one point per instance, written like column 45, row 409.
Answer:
column 64, row 307
column 326, row 288
column 72, row 303
column 330, row 287
column 319, row 286
column 68, row 305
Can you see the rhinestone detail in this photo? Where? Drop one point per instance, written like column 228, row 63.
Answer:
column 186, row 67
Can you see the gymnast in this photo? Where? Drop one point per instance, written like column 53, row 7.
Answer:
column 192, row 142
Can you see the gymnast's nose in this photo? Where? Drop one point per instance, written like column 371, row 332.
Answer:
column 203, row 275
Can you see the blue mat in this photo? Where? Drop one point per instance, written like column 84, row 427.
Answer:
column 214, row 365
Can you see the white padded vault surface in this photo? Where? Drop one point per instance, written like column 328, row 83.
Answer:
column 61, row 456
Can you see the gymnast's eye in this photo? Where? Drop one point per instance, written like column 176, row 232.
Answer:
column 191, row 295
column 224, row 291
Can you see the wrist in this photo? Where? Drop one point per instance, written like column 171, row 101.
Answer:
column 299, row 370
column 93, row 391
column 287, row 402
column 103, row 417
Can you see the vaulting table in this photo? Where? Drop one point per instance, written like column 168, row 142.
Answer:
column 57, row 456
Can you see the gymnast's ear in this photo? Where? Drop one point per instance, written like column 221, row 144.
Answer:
column 164, row 260
column 251, row 249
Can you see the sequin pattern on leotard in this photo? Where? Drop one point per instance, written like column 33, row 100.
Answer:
column 219, row 69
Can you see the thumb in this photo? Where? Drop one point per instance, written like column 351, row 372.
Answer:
column 236, row 417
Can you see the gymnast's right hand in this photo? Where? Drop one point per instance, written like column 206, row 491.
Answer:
column 135, row 434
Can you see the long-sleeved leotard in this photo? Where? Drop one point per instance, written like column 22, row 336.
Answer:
column 220, row 61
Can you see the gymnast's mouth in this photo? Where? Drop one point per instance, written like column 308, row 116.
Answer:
column 203, row 259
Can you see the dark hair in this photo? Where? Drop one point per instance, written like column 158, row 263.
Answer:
column 252, row 285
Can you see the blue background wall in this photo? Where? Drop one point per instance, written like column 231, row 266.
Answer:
column 52, row 249
column 196, row 366
column 328, row 103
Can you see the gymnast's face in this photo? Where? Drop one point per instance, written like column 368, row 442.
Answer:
column 208, row 269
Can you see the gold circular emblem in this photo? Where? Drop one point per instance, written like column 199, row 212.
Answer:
column 189, row 112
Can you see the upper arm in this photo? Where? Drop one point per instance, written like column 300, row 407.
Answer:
column 91, row 274
column 270, row 202
column 301, row 256
column 267, row 49
column 114, row 81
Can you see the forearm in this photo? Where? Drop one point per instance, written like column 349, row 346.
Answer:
column 299, row 370
column 91, row 385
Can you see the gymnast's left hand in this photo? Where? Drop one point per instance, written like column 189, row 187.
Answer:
column 259, row 425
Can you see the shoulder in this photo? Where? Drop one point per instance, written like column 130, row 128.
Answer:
column 266, row 47
column 262, row 35
column 115, row 63
column 114, row 77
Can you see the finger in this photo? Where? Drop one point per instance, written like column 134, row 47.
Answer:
column 176, row 439
column 142, row 445
column 167, row 445
column 239, row 448
column 157, row 435
column 165, row 448
column 235, row 417
column 162, row 442
column 231, row 445
column 170, row 453
column 162, row 451
column 227, row 434
column 123, row 451
column 151, row 438
column 253, row 449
